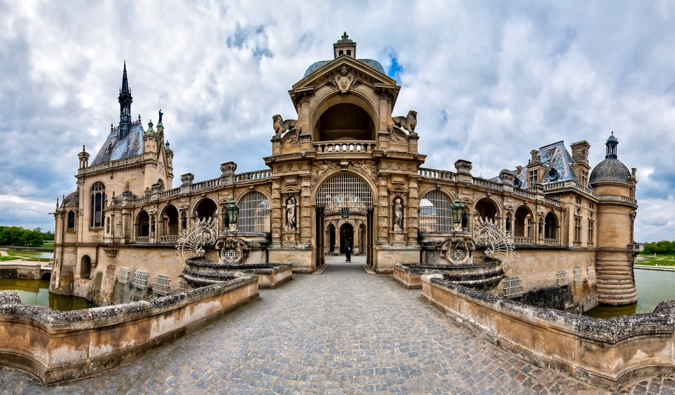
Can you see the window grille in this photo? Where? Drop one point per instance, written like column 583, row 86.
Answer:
column 513, row 286
column 123, row 278
column 578, row 279
column 254, row 213
column 161, row 285
column 140, row 279
column 344, row 191
column 591, row 272
column 562, row 278
column 435, row 213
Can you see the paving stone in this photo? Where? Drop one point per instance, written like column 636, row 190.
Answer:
column 343, row 331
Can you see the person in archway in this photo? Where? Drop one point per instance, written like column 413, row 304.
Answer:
column 348, row 252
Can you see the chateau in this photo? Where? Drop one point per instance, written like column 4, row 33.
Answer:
column 344, row 172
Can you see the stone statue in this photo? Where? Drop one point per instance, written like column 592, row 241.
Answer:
column 290, row 213
column 160, row 115
column 408, row 123
column 465, row 220
column 280, row 125
column 398, row 214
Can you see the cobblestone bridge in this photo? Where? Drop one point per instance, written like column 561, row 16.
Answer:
column 343, row 331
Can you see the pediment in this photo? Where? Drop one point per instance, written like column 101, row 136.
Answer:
column 344, row 73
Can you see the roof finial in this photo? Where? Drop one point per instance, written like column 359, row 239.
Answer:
column 344, row 35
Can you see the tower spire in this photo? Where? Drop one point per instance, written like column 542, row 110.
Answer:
column 125, row 101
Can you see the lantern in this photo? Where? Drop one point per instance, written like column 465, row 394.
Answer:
column 232, row 214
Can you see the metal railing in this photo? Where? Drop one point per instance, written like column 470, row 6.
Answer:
column 345, row 146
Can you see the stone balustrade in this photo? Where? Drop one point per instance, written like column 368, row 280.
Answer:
column 169, row 238
column 170, row 193
column 208, row 184
column 622, row 199
column 253, row 176
column 345, row 146
column 523, row 240
column 482, row 182
column 570, row 184
column 436, row 174
column 551, row 242
column 524, row 193
column 142, row 239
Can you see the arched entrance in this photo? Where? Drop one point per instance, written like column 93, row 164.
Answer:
column 346, row 237
column 344, row 198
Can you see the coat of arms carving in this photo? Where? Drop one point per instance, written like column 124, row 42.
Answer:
column 344, row 81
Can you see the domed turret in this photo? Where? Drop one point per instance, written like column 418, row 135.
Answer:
column 611, row 170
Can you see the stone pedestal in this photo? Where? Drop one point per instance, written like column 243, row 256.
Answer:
column 397, row 237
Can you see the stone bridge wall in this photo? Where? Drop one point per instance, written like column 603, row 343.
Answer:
column 57, row 346
column 608, row 353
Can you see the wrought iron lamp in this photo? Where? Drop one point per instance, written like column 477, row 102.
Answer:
column 233, row 214
column 457, row 209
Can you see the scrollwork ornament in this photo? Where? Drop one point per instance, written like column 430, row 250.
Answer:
column 200, row 234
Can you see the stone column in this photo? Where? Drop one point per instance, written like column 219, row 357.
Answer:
column 305, row 220
column 413, row 211
column 383, row 211
column 276, row 208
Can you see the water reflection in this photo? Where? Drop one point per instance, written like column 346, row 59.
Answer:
column 653, row 287
column 36, row 292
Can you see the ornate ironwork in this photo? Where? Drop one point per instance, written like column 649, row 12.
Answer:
column 499, row 243
column 193, row 239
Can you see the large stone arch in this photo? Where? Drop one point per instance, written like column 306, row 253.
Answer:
column 334, row 99
column 371, row 188
column 522, row 225
column 488, row 200
column 199, row 203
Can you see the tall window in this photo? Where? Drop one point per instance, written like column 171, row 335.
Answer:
column 71, row 220
column 435, row 213
column 584, row 178
column 590, row 231
column 254, row 213
column 577, row 229
column 97, row 202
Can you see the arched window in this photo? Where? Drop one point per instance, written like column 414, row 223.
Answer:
column 170, row 221
column 85, row 267
column 551, row 226
column 97, row 202
column 523, row 222
column 486, row 209
column 206, row 209
column 143, row 224
column 435, row 213
column 71, row 220
column 254, row 213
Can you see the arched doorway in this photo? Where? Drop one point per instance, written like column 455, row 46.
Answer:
column 143, row 224
column 522, row 226
column 206, row 209
column 346, row 237
column 341, row 197
column 551, row 227
column 85, row 267
column 170, row 221
column 331, row 238
column 486, row 209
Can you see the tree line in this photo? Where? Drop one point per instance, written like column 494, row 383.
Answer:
column 18, row 236
column 659, row 247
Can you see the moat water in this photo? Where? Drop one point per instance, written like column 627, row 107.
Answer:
column 653, row 287
column 36, row 292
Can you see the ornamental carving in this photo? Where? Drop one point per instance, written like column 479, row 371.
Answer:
column 409, row 122
column 457, row 251
column 290, row 138
column 280, row 125
column 499, row 243
column 344, row 81
column 368, row 169
column 233, row 251
column 322, row 169
column 192, row 241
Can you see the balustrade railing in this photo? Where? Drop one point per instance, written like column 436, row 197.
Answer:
column 142, row 239
column 611, row 198
column 551, row 242
column 570, row 184
column 205, row 184
column 168, row 238
column 436, row 174
column 523, row 240
column 169, row 193
column 482, row 182
column 524, row 193
column 344, row 146
column 552, row 202
column 253, row 175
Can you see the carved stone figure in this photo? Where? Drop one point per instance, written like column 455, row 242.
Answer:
column 290, row 213
column 280, row 125
column 398, row 214
column 160, row 115
column 344, row 81
column 408, row 122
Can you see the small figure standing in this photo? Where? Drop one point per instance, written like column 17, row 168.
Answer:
column 290, row 213
column 348, row 252
column 398, row 214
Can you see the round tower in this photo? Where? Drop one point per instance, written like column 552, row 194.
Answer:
column 615, row 185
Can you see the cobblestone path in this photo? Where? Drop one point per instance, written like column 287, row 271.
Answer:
column 343, row 331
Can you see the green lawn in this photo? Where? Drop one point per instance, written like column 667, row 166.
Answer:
column 8, row 258
column 655, row 260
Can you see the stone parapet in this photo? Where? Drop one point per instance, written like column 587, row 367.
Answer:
column 607, row 353
column 57, row 346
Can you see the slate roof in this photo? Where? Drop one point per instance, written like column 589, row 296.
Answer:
column 558, row 164
column 370, row 62
column 610, row 170
column 115, row 148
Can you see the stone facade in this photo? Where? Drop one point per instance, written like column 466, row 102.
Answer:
column 346, row 172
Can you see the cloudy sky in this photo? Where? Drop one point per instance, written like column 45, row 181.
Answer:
column 490, row 82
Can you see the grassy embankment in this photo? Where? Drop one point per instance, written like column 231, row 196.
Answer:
column 656, row 260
